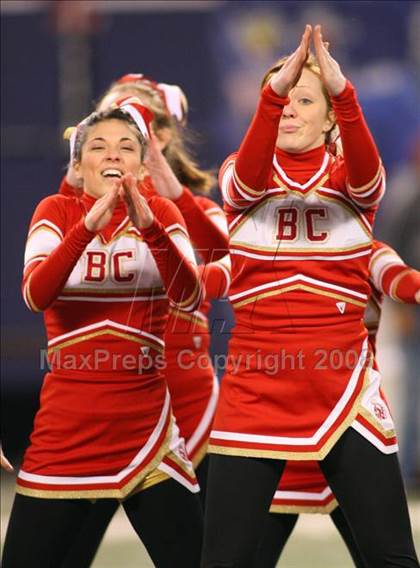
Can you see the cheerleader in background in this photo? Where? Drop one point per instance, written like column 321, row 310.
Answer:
column 173, row 174
column 193, row 385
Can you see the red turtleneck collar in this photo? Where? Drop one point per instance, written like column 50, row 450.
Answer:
column 301, row 166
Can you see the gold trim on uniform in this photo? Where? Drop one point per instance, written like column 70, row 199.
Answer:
column 194, row 293
column 200, row 454
column 125, row 225
column 302, row 192
column 299, row 456
column 130, row 291
column 185, row 316
column 375, row 257
column 296, row 509
column 370, row 183
column 38, row 257
column 245, row 187
column 45, row 228
column 109, row 331
column 102, row 493
column 180, row 232
column 353, row 213
column 394, row 285
column 185, row 466
column 29, row 296
column 376, row 424
column 336, row 200
column 280, row 250
column 304, row 287
column 153, row 478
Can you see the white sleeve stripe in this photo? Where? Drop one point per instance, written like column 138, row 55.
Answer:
column 228, row 279
column 192, row 306
column 35, row 259
column 244, row 195
column 183, row 244
column 379, row 172
column 176, row 227
column 45, row 222
column 378, row 268
column 218, row 219
column 226, row 180
column 370, row 191
column 369, row 203
column 367, row 193
column 25, row 298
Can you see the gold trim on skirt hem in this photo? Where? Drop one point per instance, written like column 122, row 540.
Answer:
column 200, row 455
column 293, row 455
column 103, row 493
column 297, row 509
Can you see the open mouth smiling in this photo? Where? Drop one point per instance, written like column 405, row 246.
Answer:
column 112, row 173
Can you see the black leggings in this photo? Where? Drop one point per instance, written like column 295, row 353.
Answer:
column 167, row 517
column 367, row 485
column 86, row 543
column 279, row 527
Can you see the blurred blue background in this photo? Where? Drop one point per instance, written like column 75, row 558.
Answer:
column 58, row 57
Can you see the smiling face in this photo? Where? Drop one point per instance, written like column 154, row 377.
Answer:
column 306, row 119
column 110, row 150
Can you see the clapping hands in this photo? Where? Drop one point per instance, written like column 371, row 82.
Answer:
column 125, row 189
column 287, row 77
column 137, row 207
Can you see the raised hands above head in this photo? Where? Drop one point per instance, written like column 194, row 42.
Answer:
column 331, row 74
column 287, row 77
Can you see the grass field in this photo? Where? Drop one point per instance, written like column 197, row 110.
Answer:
column 314, row 542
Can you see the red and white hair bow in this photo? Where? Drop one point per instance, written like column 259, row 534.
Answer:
column 141, row 115
column 172, row 96
column 176, row 101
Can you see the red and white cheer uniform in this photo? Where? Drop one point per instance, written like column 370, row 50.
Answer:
column 105, row 419
column 300, row 241
column 303, row 487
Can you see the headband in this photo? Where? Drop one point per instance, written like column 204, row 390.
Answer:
column 131, row 106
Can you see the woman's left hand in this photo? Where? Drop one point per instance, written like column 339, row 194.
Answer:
column 137, row 207
column 331, row 74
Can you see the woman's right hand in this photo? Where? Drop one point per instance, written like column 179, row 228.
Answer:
column 287, row 77
column 101, row 213
column 4, row 462
column 138, row 209
column 163, row 178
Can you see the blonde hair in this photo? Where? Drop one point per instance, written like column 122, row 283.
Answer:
column 312, row 65
column 179, row 157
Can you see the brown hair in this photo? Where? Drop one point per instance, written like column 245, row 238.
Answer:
column 179, row 157
column 312, row 65
column 97, row 117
